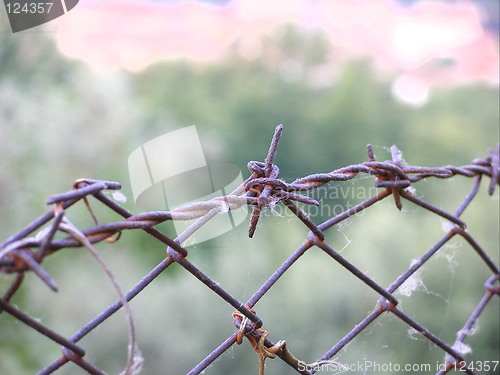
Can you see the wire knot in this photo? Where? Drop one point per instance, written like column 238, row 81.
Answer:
column 264, row 188
column 256, row 337
column 490, row 284
column 256, row 187
column 389, row 174
column 492, row 162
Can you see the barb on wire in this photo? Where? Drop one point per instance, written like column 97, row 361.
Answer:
column 24, row 252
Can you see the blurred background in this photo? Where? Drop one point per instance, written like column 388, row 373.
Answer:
column 79, row 94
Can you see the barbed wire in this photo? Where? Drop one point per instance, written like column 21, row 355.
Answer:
column 21, row 253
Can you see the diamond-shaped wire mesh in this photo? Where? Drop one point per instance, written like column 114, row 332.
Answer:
column 21, row 253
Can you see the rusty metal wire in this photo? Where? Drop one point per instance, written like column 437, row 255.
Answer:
column 23, row 252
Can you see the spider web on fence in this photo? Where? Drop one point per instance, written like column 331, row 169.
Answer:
column 22, row 253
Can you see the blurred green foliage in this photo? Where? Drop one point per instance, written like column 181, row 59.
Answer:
column 60, row 121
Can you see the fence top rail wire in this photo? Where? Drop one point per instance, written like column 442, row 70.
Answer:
column 24, row 252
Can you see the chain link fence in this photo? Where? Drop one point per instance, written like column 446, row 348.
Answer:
column 25, row 252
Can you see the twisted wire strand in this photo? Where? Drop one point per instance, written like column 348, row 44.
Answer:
column 263, row 188
column 282, row 191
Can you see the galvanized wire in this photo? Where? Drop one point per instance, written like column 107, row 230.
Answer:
column 21, row 253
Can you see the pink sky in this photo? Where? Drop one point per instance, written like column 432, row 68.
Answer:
column 134, row 33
